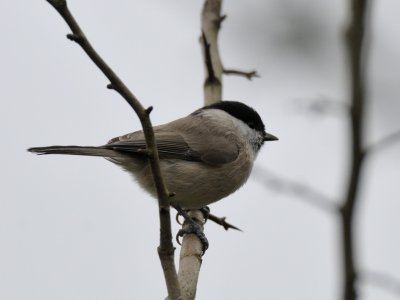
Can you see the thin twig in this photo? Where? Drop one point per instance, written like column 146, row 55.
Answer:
column 249, row 74
column 166, row 248
column 321, row 105
column 221, row 19
column 222, row 221
column 384, row 281
column 383, row 143
column 355, row 42
column 217, row 220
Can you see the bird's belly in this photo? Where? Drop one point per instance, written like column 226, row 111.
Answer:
column 195, row 185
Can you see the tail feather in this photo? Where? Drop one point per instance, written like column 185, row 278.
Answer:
column 76, row 150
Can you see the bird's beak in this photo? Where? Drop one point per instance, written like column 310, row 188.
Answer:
column 269, row 137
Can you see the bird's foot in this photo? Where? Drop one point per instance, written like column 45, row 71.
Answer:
column 193, row 227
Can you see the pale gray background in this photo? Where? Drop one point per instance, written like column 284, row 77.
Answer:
column 79, row 228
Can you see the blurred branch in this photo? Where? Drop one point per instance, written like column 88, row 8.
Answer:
column 299, row 190
column 385, row 142
column 211, row 79
column 322, row 105
column 249, row 75
column 166, row 248
column 355, row 42
column 384, row 281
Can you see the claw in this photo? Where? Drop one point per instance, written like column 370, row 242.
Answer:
column 206, row 212
column 178, row 235
column 194, row 228
column 177, row 219
column 179, row 214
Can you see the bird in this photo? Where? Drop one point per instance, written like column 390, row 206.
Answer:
column 204, row 157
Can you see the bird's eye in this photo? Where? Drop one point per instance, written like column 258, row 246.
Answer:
column 251, row 125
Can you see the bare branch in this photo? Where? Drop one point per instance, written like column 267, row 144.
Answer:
column 191, row 250
column 166, row 248
column 210, row 24
column 210, row 78
column 221, row 19
column 356, row 50
column 218, row 220
column 222, row 221
column 190, row 258
column 249, row 75
column 299, row 190
column 385, row 142
column 384, row 281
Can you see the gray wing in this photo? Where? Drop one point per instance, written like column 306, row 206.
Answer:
column 191, row 145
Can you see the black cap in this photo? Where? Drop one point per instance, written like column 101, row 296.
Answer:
column 242, row 112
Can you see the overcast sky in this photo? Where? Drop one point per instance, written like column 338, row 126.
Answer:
column 79, row 228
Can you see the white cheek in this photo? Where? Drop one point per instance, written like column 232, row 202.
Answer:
column 244, row 129
column 252, row 136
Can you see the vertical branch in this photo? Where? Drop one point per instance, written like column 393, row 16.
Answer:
column 355, row 42
column 166, row 248
column 190, row 259
column 210, row 24
column 166, row 251
column 191, row 251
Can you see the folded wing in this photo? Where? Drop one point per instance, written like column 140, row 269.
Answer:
column 193, row 145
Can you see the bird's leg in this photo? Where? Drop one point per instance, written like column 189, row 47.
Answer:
column 194, row 228
column 206, row 212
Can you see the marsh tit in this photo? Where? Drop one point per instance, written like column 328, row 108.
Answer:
column 204, row 156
